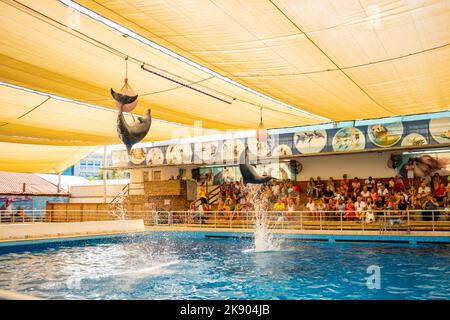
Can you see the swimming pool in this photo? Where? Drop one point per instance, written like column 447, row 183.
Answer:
column 191, row 265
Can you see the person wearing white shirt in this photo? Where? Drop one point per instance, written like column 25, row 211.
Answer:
column 365, row 193
column 360, row 205
column 382, row 191
column 424, row 188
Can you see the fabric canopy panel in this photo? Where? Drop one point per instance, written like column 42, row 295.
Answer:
column 28, row 117
column 344, row 60
column 38, row 50
column 20, row 157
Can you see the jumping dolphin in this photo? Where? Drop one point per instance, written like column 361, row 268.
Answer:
column 131, row 134
column 249, row 173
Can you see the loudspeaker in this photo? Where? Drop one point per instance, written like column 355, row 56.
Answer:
column 295, row 166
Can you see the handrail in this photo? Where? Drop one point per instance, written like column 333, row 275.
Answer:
column 384, row 220
column 125, row 190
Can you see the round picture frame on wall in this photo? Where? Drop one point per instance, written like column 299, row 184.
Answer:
column 385, row 135
column 310, row 141
column 349, row 139
column 440, row 129
column 155, row 156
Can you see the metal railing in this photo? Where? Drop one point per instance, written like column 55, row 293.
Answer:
column 385, row 220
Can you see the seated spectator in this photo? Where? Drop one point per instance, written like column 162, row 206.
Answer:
column 440, row 193
column 321, row 207
column 354, row 195
column 437, row 180
column 373, row 194
column 356, row 185
column 426, row 177
column 318, row 187
column 402, row 204
column 370, row 216
column 340, row 208
column 370, row 183
column 379, row 184
column 382, row 191
column 424, row 188
column 331, row 207
column 429, row 204
column 331, row 184
column 365, row 193
column 279, row 205
column 310, row 187
column 360, row 206
column 344, row 184
column 380, row 203
column 328, row 194
column 390, row 185
column 349, row 210
column 311, row 207
column 399, row 185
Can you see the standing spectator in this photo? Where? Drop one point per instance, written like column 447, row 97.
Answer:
column 410, row 167
column 202, row 195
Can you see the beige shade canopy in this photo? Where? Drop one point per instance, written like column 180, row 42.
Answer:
column 21, row 157
column 344, row 60
column 303, row 62
column 40, row 51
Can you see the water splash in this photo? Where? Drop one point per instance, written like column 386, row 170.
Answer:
column 264, row 240
column 118, row 207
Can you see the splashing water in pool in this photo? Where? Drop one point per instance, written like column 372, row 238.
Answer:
column 264, row 240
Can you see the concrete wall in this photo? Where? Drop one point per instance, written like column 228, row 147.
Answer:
column 41, row 230
column 354, row 165
column 94, row 193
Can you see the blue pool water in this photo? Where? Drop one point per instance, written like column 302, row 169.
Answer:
column 192, row 266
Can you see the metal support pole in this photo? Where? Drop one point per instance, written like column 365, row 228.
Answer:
column 104, row 174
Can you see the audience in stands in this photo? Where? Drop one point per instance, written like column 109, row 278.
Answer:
column 347, row 199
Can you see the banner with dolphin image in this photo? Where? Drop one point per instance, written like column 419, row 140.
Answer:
column 293, row 141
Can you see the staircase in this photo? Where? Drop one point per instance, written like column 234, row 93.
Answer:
column 212, row 195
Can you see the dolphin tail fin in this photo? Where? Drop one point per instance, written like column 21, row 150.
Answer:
column 123, row 99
